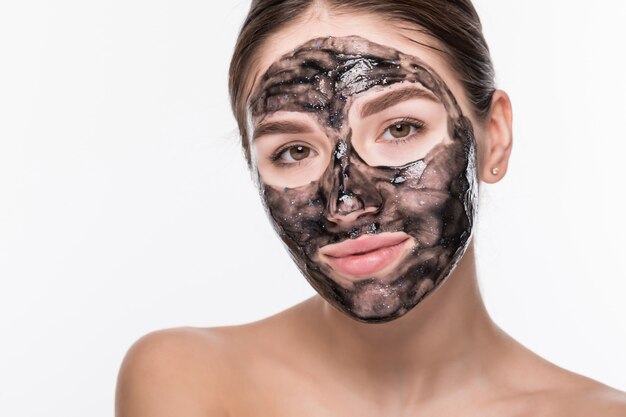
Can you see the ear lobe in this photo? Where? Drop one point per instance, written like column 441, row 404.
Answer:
column 498, row 138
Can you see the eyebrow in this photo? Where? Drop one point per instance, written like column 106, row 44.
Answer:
column 284, row 127
column 394, row 97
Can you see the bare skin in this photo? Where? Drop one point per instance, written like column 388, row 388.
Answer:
column 445, row 357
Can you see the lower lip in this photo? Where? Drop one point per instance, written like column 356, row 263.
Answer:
column 367, row 263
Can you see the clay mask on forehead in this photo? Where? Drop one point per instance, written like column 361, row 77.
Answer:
column 366, row 166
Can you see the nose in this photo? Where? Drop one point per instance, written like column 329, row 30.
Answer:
column 345, row 204
column 348, row 209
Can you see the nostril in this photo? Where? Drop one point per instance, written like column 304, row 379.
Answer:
column 350, row 220
column 348, row 203
column 350, row 209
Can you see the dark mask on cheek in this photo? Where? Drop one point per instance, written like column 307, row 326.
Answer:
column 414, row 220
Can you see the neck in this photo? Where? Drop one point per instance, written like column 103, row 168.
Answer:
column 445, row 339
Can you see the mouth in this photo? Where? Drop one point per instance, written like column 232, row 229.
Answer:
column 368, row 254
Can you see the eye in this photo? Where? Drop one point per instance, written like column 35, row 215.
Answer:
column 402, row 130
column 292, row 154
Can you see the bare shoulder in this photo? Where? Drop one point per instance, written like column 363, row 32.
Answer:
column 577, row 396
column 198, row 371
column 534, row 386
column 173, row 372
column 594, row 399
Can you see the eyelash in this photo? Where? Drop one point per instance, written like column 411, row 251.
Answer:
column 417, row 124
column 414, row 123
column 275, row 157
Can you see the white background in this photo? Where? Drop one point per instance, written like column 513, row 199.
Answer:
column 125, row 205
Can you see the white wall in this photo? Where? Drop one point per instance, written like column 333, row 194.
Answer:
column 125, row 205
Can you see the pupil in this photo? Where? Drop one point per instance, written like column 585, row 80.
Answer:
column 400, row 130
column 299, row 152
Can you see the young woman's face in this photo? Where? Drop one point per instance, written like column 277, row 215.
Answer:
column 365, row 162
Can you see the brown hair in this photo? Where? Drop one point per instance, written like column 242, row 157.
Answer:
column 454, row 23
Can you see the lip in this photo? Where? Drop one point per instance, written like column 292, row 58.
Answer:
column 366, row 255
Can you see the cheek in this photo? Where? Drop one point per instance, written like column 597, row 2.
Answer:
column 445, row 169
column 418, row 212
column 296, row 213
column 428, row 206
column 291, row 205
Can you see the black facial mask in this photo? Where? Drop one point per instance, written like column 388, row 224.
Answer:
column 431, row 199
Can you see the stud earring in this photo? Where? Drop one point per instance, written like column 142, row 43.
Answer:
column 495, row 170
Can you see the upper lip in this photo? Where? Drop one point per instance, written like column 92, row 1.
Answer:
column 363, row 244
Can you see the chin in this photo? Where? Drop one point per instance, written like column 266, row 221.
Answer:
column 374, row 301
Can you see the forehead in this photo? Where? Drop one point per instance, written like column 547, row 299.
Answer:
column 324, row 74
column 383, row 37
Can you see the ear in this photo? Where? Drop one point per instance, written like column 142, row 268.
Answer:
column 498, row 140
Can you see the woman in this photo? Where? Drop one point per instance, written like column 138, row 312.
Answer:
column 368, row 126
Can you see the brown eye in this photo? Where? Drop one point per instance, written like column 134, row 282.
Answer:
column 293, row 154
column 400, row 130
column 298, row 153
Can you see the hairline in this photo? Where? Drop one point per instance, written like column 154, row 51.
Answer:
column 256, row 72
